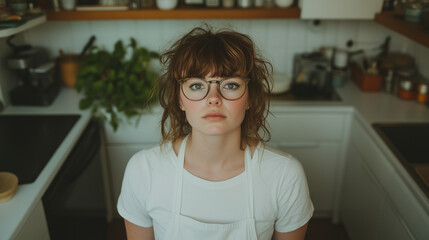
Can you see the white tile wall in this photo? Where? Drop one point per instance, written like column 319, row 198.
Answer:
column 278, row 40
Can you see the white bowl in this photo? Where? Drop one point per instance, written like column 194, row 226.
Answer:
column 281, row 83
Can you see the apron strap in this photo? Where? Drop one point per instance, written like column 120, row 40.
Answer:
column 249, row 182
column 177, row 201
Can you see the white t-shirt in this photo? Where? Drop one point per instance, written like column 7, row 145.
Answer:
column 281, row 197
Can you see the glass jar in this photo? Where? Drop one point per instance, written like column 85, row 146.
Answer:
column 405, row 83
column 407, row 73
column 406, row 90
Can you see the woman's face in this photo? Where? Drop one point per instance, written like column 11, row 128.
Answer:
column 215, row 115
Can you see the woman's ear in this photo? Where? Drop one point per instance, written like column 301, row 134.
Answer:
column 181, row 105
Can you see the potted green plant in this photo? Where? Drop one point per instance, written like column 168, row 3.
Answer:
column 116, row 82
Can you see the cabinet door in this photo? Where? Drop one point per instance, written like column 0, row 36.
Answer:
column 119, row 155
column 361, row 202
column 339, row 9
column 390, row 226
column 320, row 163
column 366, row 212
column 35, row 227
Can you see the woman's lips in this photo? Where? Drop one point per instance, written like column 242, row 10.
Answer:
column 214, row 116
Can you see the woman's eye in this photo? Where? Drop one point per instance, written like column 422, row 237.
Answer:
column 196, row 86
column 231, row 86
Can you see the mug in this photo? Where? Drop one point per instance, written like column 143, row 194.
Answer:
column 68, row 4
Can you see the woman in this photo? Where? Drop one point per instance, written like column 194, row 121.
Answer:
column 212, row 177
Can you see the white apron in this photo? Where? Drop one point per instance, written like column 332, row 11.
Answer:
column 185, row 228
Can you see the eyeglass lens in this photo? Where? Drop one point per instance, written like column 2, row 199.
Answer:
column 230, row 88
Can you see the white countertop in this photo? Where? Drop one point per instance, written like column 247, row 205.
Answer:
column 367, row 107
column 14, row 212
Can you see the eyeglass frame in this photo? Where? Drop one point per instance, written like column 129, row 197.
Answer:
column 219, row 82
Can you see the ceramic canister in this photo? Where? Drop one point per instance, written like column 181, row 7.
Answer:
column 166, row 4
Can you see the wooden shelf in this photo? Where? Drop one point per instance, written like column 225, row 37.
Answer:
column 411, row 30
column 6, row 32
column 179, row 13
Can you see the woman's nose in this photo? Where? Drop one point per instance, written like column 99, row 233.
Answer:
column 214, row 97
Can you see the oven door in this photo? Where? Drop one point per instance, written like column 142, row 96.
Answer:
column 74, row 203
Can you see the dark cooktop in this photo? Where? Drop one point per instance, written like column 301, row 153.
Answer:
column 27, row 142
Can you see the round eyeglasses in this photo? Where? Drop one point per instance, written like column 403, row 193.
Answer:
column 230, row 88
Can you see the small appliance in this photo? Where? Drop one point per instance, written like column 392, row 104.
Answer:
column 37, row 75
column 311, row 74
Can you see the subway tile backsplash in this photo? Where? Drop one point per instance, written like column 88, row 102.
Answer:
column 278, row 40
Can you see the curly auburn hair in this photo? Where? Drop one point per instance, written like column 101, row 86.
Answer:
column 221, row 53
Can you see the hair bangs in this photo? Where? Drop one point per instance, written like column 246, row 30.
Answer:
column 216, row 59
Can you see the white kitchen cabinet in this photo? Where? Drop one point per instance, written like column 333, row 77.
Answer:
column 144, row 129
column 320, row 162
column 360, row 201
column 365, row 212
column 35, row 227
column 376, row 203
column 132, row 136
column 340, row 9
column 119, row 155
column 316, row 140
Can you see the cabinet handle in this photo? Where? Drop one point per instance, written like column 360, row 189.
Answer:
column 298, row 145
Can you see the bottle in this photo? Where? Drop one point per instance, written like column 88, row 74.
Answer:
column 422, row 93
column 388, row 81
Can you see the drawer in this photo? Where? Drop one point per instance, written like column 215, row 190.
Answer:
column 306, row 127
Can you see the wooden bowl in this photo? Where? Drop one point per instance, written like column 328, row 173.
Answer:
column 8, row 186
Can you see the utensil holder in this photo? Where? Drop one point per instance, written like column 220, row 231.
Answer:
column 366, row 82
column 69, row 68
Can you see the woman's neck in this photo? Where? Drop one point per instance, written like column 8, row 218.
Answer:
column 214, row 157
